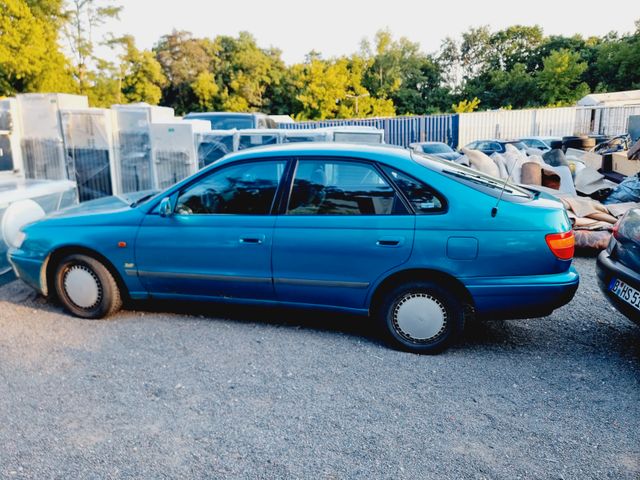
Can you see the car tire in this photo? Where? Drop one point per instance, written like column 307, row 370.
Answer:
column 86, row 288
column 421, row 317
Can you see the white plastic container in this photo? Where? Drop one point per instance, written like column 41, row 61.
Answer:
column 10, row 150
column 356, row 134
column 133, row 144
column 88, row 139
column 174, row 150
column 304, row 135
column 42, row 145
column 252, row 138
column 215, row 144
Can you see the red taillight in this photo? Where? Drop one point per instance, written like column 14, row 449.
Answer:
column 562, row 245
column 616, row 230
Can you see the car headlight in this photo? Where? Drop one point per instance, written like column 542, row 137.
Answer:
column 16, row 216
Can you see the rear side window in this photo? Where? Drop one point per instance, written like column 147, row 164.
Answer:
column 341, row 188
column 421, row 196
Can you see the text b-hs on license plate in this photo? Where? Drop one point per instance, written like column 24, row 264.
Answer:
column 625, row 292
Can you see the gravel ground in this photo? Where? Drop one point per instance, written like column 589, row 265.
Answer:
column 266, row 393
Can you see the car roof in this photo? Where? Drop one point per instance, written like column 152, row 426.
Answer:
column 338, row 149
column 429, row 143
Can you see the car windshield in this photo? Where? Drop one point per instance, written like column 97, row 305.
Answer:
column 227, row 122
column 436, row 148
column 472, row 177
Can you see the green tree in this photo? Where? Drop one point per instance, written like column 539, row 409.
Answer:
column 399, row 71
column 183, row 58
column 560, row 79
column 246, row 73
column 83, row 17
column 617, row 61
column 513, row 45
column 329, row 88
column 141, row 74
column 466, row 106
column 30, row 58
column 205, row 89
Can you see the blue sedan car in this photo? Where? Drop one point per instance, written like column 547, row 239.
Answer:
column 418, row 243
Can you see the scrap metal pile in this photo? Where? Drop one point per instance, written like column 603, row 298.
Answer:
column 597, row 184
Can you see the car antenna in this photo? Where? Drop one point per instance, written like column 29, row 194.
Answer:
column 494, row 210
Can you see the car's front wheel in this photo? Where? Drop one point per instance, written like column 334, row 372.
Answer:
column 421, row 317
column 86, row 287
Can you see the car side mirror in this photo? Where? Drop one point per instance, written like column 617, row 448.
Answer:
column 166, row 209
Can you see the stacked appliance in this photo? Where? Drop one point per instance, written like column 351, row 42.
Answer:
column 133, row 144
column 215, row 144
column 296, row 136
column 355, row 134
column 251, row 138
column 10, row 154
column 174, row 149
column 42, row 143
column 90, row 156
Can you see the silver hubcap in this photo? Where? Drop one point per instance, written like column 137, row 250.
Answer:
column 419, row 317
column 82, row 287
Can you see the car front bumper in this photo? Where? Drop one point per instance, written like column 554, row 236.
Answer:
column 608, row 269
column 522, row 297
column 29, row 270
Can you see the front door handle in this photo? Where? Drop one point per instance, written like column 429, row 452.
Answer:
column 252, row 239
column 390, row 242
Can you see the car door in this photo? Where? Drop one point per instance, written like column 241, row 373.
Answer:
column 217, row 242
column 342, row 227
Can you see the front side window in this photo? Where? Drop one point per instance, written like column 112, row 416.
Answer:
column 422, row 197
column 245, row 189
column 341, row 188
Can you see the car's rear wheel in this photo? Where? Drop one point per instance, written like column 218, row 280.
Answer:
column 86, row 287
column 421, row 317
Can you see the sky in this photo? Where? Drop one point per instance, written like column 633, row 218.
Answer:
column 336, row 27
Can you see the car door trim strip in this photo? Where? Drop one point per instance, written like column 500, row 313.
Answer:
column 320, row 283
column 200, row 276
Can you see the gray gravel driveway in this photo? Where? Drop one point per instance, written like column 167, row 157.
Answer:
column 267, row 393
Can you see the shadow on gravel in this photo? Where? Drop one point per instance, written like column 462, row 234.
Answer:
column 271, row 315
column 546, row 335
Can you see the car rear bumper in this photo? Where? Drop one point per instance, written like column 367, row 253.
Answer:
column 29, row 270
column 522, row 297
column 608, row 269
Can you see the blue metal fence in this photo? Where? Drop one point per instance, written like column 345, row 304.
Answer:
column 399, row 130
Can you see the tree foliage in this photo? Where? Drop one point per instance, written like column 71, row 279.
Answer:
column 514, row 67
column 30, row 58
column 560, row 78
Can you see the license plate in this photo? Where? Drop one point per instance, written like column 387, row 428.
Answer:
column 625, row 292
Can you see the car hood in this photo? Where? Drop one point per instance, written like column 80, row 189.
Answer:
column 102, row 205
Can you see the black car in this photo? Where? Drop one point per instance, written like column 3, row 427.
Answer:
column 439, row 149
column 493, row 146
column 231, row 120
column 618, row 267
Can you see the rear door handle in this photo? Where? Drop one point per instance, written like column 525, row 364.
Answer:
column 252, row 239
column 390, row 242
